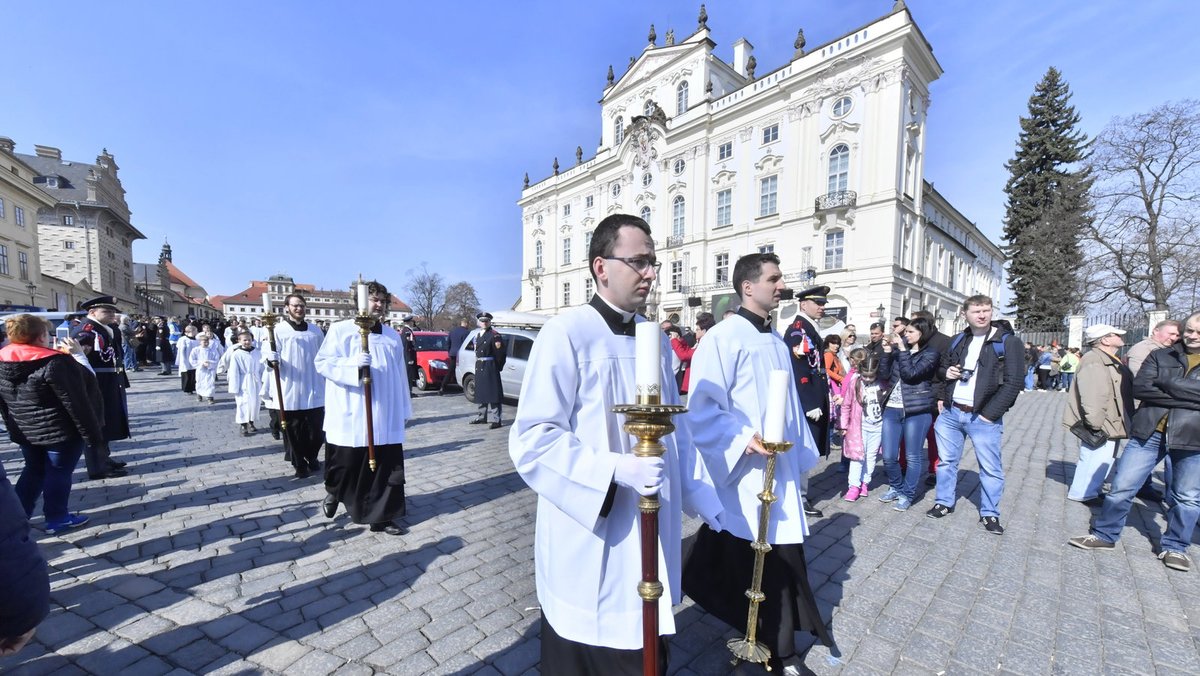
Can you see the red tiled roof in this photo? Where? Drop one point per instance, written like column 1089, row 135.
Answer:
column 177, row 275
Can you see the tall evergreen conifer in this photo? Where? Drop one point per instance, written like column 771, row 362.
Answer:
column 1048, row 207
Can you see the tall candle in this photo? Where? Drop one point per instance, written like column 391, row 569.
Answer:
column 362, row 297
column 266, row 303
column 778, row 382
column 649, row 365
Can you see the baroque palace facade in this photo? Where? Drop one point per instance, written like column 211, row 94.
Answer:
column 819, row 161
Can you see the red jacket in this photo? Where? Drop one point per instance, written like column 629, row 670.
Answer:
column 685, row 355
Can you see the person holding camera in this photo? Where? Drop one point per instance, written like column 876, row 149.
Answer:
column 983, row 372
column 910, row 366
column 1099, row 405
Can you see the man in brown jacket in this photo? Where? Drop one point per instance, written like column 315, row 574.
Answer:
column 1102, row 397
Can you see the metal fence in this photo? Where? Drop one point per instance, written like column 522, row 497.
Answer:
column 1136, row 325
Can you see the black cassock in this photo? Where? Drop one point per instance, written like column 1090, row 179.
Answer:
column 489, row 361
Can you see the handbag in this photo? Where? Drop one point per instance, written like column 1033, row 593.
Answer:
column 1093, row 438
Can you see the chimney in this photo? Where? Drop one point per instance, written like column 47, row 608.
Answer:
column 7, row 144
column 742, row 49
column 47, row 151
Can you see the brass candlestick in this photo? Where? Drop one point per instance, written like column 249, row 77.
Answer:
column 749, row 649
column 649, row 420
column 269, row 319
column 366, row 322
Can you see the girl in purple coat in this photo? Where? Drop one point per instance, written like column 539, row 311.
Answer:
column 862, row 420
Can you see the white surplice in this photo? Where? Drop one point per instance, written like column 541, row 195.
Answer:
column 183, row 352
column 345, row 414
column 565, row 443
column 245, row 380
column 303, row 386
column 206, row 376
column 727, row 405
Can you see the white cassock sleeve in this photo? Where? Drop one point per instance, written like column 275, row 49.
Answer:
column 720, row 430
column 337, row 364
column 560, row 467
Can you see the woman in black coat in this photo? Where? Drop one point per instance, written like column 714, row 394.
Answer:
column 909, row 365
column 47, row 400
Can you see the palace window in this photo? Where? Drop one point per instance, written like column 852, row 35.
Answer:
column 679, row 166
column 616, row 190
column 587, row 288
column 725, row 150
column 768, row 191
column 676, row 275
column 1, row 207
column 67, row 219
column 835, row 245
column 566, row 251
column 23, row 262
column 587, row 242
column 766, row 249
column 770, row 134
column 681, row 98
column 722, row 276
column 725, row 208
column 537, row 298
column 3, row 259
column 566, row 293
column 839, row 168
column 618, row 131
column 537, row 254
column 19, row 215
column 645, row 214
column 647, row 179
column 68, row 244
column 677, row 218
column 842, row 106
column 566, row 210
column 587, row 202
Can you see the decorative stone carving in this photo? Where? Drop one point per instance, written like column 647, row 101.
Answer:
column 670, row 36
column 836, row 80
column 644, row 152
column 610, row 76
column 702, row 20
column 708, row 87
column 799, row 44
column 652, row 37
column 527, row 179
column 724, row 178
column 745, row 134
column 768, row 164
column 632, row 60
column 556, row 166
column 799, row 111
column 578, row 154
column 751, row 64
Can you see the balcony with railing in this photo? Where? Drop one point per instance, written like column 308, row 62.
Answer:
column 535, row 273
column 674, row 241
column 839, row 199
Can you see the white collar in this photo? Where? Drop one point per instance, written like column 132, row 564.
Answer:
column 625, row 316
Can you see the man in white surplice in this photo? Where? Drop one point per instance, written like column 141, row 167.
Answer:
column 570, row 448
column 727, row 402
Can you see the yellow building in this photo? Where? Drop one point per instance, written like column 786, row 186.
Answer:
column 20, row 200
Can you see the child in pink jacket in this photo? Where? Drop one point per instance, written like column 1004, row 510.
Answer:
column 862, row 420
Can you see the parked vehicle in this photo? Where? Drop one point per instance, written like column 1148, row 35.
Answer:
column 518, row 330
column 432, row 354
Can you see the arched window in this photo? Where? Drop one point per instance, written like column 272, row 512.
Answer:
column 645, row 214
column 537, row 254
column 839, row 168
column 677, row 222
column 618, row 131
column 681, row 102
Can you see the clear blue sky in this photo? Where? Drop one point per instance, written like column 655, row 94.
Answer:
column 325, row 139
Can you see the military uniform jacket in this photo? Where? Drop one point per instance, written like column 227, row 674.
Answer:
column 106, row 359
column 808, row 365
column 489, row 361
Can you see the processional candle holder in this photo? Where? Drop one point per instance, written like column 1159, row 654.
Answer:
column 365, row 322
column 748, row 649
column 649, row 420
column 269, row 319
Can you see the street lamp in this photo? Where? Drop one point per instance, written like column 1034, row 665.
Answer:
column 32, row 293
column 880, row 309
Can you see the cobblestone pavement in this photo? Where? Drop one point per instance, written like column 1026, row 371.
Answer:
column 210, row 558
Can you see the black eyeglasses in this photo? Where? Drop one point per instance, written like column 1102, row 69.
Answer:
column 640, row 264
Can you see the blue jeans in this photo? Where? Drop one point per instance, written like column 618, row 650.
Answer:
column 47, row 473
column 1135, row 464
column 952, row 428
column 1064, row 380
column 913, row 428
column 130, row 357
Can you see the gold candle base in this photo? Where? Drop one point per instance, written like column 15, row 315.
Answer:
column 748, row 649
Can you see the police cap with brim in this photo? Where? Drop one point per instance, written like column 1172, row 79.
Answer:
column 817, row 294
column 486, row 316
column 99, row 302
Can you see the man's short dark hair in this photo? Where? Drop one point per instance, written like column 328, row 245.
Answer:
column 924, row 314
column 978, row 299
column 876, row 326
column 902, row 320
column 288, row 298
column 749, row 269
column 604, row 237
column 705, row 321
column 378, row 290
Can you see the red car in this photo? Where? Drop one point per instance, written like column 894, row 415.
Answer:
column 433, row 348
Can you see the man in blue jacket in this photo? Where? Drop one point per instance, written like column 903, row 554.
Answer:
column 983, row 372
column 25, row 592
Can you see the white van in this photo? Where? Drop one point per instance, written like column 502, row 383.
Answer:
column 518, row 330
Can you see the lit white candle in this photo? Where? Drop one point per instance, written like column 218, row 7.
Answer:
column 362, row 297
column 649, row 357
column 778, row 383
column 266, row 302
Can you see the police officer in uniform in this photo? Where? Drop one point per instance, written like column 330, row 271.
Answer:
column 100, row 337
column 489, row 361
column 808, row 371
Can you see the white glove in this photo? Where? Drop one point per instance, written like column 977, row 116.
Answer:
column 644, row 475
column 270, row 355
column 364, row 359
column 714, row 521
column 814, row 414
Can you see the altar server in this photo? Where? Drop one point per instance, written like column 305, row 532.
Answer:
column 183, row 351
column 298, row 343
column 375, row 497
column 571, row 450
column 203, row 359
column 245, row 379
column 727, row 404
